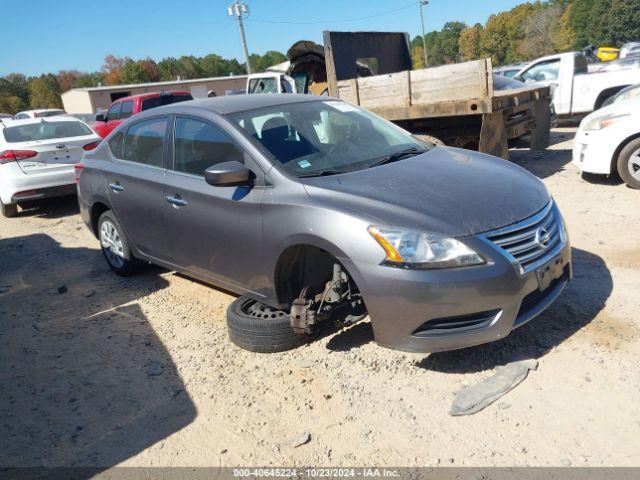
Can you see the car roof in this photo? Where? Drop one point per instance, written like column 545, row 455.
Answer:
column 144, row 96
column 240, row 103
column 25, row 121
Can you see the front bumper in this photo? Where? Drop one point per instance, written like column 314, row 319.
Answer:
column 483, row 303
column 593, row 151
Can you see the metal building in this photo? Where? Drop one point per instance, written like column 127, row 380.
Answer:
column 91, row 99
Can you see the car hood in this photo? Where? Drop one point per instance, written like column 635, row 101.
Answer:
column 446, row 190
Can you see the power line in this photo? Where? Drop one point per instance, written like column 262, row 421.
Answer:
column 333, row 21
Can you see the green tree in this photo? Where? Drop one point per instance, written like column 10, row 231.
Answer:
column 623, row 21
column 44, row 92
column 168, row 68
column 469, row 43
column 85, row 80
column 139, row 71
column 189, row 67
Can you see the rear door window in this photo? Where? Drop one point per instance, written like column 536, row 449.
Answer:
column 198, row 145
column 164, row 100
column 127, row 109
column 114, row 112
column 144, row 142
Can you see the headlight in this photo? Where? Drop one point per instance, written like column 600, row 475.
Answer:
column 412, row 249
column 598, row 123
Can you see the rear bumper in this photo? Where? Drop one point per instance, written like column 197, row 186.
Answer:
column 407, row 307
column 39, row 185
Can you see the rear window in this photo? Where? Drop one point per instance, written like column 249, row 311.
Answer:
column 45, row 131
column 50, row 113
column 164, row 100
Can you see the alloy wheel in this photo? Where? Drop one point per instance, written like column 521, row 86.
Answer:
column 634, row 165
column 112, row 244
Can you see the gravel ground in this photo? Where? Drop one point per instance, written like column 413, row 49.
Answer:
column 99, row 370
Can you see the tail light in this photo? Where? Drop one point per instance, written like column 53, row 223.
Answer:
column 77, row 168
column 91, row 146
column 13, row 155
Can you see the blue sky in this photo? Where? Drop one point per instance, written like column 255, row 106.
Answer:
column 52, row 35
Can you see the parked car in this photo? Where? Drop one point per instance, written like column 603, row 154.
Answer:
column 41, row 113
column 126, row 107
column 574, row 90
column 5, row 115
column 623, row 95
column 37, row 158
column 630, row 49
column 509, row 71
column 505, row 83
column 312, row 209
column 628, row 63
column 608, row 142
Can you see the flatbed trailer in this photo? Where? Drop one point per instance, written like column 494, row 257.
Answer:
column 455, row 103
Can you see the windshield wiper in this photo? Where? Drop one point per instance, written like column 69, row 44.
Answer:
column 394, row 157
column 322, row 173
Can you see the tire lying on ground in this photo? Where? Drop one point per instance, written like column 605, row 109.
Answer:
column 257, row 327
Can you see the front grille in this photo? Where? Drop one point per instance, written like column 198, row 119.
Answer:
column 533, row 241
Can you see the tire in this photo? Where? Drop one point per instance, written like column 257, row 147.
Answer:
column 258, row 328
column 115, row 246
column 629, row 164
column 9, row 210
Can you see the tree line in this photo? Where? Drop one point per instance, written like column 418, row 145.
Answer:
column 18, row 92
column 531, row 30
column 525, row 32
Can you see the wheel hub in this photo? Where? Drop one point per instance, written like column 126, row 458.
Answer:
column 112, row 244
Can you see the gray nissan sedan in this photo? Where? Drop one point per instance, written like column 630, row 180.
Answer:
column 313, row 210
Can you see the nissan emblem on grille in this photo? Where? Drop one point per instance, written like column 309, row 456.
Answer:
column 533, row 241
column 542, row 237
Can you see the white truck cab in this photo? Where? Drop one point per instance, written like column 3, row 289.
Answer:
column 574, row 90
column 270, row 82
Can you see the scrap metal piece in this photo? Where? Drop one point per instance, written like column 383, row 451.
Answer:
column 472, row 399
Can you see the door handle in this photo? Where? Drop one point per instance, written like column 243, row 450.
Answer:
column 116, row 187
column 176, row 201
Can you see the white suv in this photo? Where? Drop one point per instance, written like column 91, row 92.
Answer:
column 37, row 158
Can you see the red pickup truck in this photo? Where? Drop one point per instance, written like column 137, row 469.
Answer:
column 125, row 107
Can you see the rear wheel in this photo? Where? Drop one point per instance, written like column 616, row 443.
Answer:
column 9, row 210
column 257, row 327
column 629, row 164
column 115, row 246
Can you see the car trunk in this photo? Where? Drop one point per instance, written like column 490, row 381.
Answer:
column 59, row 154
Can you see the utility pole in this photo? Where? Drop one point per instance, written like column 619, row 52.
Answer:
column 239, row 9
column 422, row 3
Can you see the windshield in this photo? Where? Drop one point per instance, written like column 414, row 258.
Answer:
column 326, row 137
column 45, row 131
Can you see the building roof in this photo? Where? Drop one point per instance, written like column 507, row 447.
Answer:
column 153, row 84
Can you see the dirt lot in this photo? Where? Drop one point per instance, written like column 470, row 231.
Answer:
column 99, row 370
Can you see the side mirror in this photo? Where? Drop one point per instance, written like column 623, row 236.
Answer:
column 228, row 174
column 100, row 117
column 518, row 78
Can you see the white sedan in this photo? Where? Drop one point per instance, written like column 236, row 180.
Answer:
column 43, row 112
column 37, row 158
column 608, row 142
